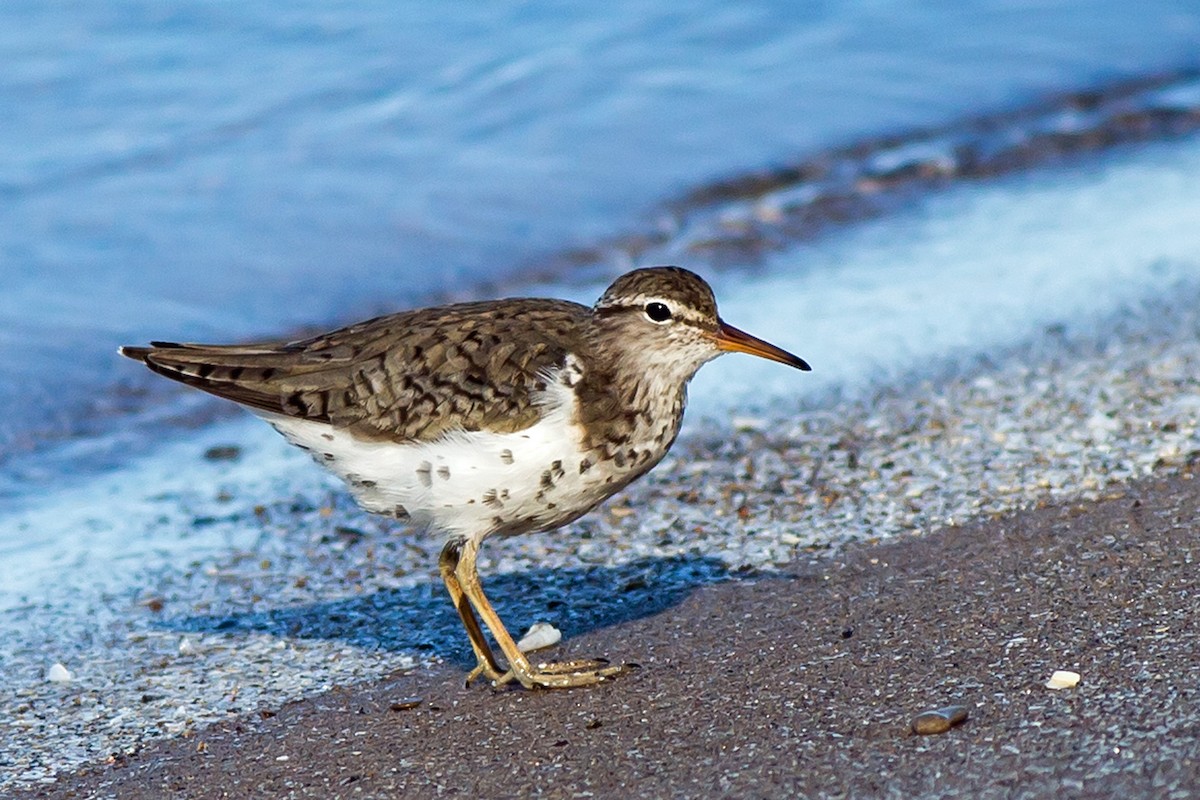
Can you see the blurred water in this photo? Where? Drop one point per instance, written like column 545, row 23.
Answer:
column 218, row 170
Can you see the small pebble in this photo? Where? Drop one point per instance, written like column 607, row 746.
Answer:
column 405, row 704
column 748, row 424
column 539, row 635
column 1063, row 679
column 155, row 604
column 58, row 674
column 223, row 452
column 186, row 648
column 939, row 721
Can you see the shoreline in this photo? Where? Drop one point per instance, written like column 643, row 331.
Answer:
column 737, row 219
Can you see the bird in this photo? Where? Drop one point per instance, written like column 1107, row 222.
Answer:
column 487, row 418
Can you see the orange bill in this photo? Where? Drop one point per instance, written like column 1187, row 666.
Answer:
column 737, row 341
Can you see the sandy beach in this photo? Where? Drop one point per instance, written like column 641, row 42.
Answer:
column 804, row 683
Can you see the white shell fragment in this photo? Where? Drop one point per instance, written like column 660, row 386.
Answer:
column 58, row 674
column 748, row 424
column 1062, row 679
column 539, row 635
column 186, row 648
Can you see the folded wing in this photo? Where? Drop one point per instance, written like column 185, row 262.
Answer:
column 405, row 377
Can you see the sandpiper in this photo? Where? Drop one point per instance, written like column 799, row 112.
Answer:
column 496, row 417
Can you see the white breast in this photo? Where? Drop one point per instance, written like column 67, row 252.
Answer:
column 469, row 483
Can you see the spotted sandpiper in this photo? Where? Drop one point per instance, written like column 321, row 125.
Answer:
column 496, row 417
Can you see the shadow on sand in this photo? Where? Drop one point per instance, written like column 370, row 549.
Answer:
column 421, row 618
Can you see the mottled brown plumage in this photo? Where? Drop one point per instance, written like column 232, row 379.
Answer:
column 404, row 377
column 504, row 416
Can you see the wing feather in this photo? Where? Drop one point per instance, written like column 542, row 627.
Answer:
column 407, row 376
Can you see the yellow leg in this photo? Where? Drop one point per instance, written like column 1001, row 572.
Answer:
column 550, row 675
column 486, row 666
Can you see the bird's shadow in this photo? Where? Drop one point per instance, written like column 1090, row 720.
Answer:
column 421, row 618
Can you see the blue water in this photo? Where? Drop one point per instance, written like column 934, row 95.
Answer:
column 218, row 170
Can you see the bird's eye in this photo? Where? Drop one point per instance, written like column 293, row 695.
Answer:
column 658, row 312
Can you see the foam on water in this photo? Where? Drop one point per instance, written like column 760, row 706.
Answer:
column 161, row 508
column 968, row 272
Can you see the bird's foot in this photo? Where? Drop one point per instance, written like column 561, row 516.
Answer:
column 488, row 671
column 563, row 674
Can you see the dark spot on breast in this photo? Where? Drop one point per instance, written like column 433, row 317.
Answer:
column 585, row 465
column 490, row 498
column 556, row 470
column 327, row 437
column 619, row 460
column 330, row 457
column 571, row 373
column 425, row 473
column 444, row 473
column 506, row 456
column 400, row 512
column 547, row 480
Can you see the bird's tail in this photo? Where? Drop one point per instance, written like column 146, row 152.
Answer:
column 246, row 374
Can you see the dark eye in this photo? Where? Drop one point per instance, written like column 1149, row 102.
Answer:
column 658, row 312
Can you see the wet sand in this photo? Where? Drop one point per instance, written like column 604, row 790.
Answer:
column 804, row 683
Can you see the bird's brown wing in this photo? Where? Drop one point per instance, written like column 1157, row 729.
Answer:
column 404, row 377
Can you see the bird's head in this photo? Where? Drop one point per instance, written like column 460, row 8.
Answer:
column 665, row 318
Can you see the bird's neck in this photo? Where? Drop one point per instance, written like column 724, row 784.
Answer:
column 631, row 412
